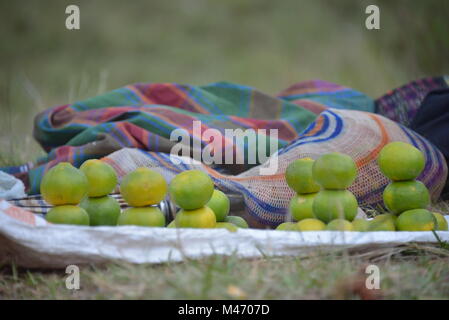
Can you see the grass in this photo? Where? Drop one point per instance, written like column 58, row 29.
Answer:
column 333, row 276
column 261, row 43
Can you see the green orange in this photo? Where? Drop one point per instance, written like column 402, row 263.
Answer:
column 238, row 221
column 335, row 171
column 340, row 225
column 202, row 217
column 335, row 204
column 226, row 225
column 360, row 225
column 441, row 222
column 416, row 220
column 287, row 226
column 220, row 205
column 401, row 196
column 68, row 214
column 383, row 222
column 401, row 161
column 64, row 184
column 191, row 189
column 101, row 177
column 103, row 211
column 311, row 225
column 143, row 216
column 301, row 206
column 143, row 187
column 299, row 176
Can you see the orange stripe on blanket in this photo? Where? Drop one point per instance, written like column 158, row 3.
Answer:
column 384, row 140
column 139, row 94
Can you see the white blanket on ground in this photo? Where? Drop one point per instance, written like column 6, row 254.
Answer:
column 30, row 242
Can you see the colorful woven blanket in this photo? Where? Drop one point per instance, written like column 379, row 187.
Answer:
column 133, row 125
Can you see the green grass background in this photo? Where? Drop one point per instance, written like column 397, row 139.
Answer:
column 266, row 44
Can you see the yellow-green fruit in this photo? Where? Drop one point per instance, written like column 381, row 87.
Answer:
column 102, row 211
column 401, row 196
column 334, row 171
column 226, row 225
column 197, row 218
column 220, row 204
column 143, row 187
column 101, row 177
column 311, row 225
column 335, row 204
column 416, row 220
column 301, row 206
column 171, row 224
column 441, row 221
column 68, row 214
column 383, row 222
column 191, row 189
column 360, row 225
column 401, row 161
column 288, row 226
column 63, row 184
column 299, row 176
column 238, row 221
column 143, row 216
column 340, row 225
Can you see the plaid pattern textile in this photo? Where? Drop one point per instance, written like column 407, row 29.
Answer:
column 401, row 104
column 143, row 116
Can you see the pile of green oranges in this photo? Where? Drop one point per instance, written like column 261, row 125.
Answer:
column 322, row 201
column 82, row 197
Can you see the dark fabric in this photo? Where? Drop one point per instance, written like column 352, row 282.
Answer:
column 432, row 122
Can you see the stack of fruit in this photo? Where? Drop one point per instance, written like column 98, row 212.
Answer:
column 143, row 189
column 201, row 205
column 299, row 179
column 313, row 206
column 103, row 209
column 334, row 204
column 64, row 186
column 406, row 197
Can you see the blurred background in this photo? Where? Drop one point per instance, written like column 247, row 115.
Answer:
column 265, row 44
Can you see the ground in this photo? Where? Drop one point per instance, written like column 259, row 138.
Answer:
column 260, row 44
column 415, row 273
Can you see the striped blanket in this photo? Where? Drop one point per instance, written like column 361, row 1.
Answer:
column 132, row 126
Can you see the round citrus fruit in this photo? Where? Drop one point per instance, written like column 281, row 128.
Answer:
column 191, row 189
column 288, row 226
column 219, row 203
column 335, row 204
column 360, row 225
column 299, row 176
column 226, row 225
column 101, row 177
column 301, row 206
column 143, row 187
column 64, row 184
column 383, row 222
column 401, row 196
column 68, row 214
column 400, row 161
column 238, row 221
column 340, row 225
column 143, row 216
column 335, row 171
column 311, row 225
column 103, row 211
column 416, row 220
column 203, row 217
column 441, row 222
